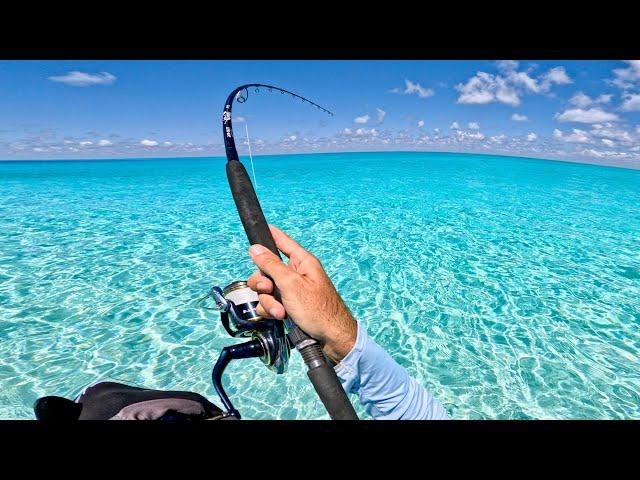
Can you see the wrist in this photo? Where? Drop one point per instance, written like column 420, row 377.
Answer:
column 341, row 340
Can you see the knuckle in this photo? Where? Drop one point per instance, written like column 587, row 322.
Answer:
column 315, row 260
column 266, row 300
column 253, row 279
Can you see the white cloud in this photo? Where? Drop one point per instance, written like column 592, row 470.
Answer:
column 631, row 103
column 507, row 88
column 523, row 79
column 627, row 77
column 474, row 125
column 604, row 98
column 516, row 117
column 607, row 142
column 499, row 139
column 592, row 115
column 582, row 100
column 411, row 88
column 486, row 88
column 421, row 124
column 557, row 76
column 347, row 131
column 239, row 119
column 455, row 126
column 361, row 120
column 577, row 136
column 507, row 65
column 531, row 137
column 361, row 132
column 605, row 153
column 81, row 79
column 463, row 136
column 124, row 146
column 380, row 114
column 609, row 130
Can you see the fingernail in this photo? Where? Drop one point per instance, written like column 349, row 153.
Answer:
column 257, row 249
column 274, row 311
column 261, row 286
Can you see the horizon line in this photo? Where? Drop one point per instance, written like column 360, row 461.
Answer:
column 107, row 159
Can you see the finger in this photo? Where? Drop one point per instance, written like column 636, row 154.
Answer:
column 270, row 307
column 260, row 283
column 271, row 265
column 286, row 244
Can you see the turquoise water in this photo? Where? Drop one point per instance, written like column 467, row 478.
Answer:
column 509, row 287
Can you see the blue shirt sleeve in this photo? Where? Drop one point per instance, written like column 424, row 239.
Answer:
column 385, row 389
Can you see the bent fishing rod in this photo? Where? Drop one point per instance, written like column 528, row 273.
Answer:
column 270, row 339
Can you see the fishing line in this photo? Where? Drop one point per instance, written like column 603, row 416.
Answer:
column 255, row 182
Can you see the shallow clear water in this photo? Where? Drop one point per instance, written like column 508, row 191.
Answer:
column 509, row 287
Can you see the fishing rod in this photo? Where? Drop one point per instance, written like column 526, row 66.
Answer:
column 270, row 339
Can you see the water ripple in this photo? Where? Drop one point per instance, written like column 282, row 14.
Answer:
column 509, row 287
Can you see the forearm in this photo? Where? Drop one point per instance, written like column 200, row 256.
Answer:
column 384, row 387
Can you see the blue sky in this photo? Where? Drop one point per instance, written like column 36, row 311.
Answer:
column 571, row 110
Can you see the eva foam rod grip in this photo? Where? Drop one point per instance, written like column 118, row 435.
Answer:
column 329, row 389
column 253, row 221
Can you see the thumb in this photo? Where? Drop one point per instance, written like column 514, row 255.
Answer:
column 270, row 264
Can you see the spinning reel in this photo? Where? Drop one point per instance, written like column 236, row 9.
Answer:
column 237, row 304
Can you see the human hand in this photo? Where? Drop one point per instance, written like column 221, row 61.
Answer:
column 307, row 295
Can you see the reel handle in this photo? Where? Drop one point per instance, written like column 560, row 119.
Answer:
column 249, row 349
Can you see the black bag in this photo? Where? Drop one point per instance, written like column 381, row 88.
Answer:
column 116, row 401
